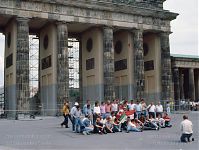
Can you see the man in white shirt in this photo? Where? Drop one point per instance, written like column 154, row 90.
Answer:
column 131, row 106
column 151, row 109
column 138, row 109
column 159, row 109
column 186, row 128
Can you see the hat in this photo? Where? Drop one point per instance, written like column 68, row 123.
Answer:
column 76, row 104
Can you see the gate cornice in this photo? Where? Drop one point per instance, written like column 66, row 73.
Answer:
column 94, row 12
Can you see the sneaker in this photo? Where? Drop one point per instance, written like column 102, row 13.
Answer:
column 84, row 133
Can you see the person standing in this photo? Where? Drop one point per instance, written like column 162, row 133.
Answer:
column 138, row 109
column 102, row 110
column 72, row 112
column 108, row 108
column 87, row 108
column 77, row 114
column 144, row 107
column 131, row 106
column 114, row 107
column 168, row 110
column 159, row 109
column 65, row 114
column 151, row 109
column 187, row 129
column 96, row 112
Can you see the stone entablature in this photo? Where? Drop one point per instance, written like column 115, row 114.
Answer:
column 185, row 62
column 93, row 12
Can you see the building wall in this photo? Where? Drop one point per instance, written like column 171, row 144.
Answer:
column 153, row 77
column 10, row 72
column 124, row 79
column 93, row 79
column 48, row 76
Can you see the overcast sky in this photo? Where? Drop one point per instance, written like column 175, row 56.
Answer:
column 183, row 40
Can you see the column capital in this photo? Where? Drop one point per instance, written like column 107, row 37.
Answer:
column 22, row 19
column 61, row 23
column 167, row 33
column 107, row 27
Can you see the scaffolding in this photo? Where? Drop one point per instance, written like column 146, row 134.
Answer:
column 73, row 55
column 33, row 65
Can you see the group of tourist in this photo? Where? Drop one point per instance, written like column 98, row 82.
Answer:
column 111, row 117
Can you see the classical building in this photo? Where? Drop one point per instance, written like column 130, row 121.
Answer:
column 185, row 69
column 124, row 49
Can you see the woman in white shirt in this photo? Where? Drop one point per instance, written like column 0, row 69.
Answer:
column 96, row 112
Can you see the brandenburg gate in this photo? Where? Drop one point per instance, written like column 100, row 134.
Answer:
column 124, row 49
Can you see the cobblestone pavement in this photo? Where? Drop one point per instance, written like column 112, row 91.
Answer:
column 46, row 134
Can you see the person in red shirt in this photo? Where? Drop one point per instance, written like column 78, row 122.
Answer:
column 167, row 120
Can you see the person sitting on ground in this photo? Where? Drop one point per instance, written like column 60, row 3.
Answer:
column 161, row 121
column 109, row 125
column 117, row 125
column 138, row 124
column 149, row 125
column 142, row 119
column 187, row 129
column 112, row 117
column 131, row 125
column 154, row 120
column 167, row 120
column 88, row 127
column 99, row 127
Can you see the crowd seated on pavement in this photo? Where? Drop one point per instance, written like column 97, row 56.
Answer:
column 115, row 116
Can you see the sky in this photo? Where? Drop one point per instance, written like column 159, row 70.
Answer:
column 183, row 40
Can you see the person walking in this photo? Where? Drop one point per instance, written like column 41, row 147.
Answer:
column 65, row 111
column 187, row 129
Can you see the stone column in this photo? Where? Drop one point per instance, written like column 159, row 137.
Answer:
column 191, row 84
column 22, row 65
column 182, row 86
column 176, row 86
column 80, row 73
column 139, row 63
column 108, row 63
column 197, row 84
column 166, row 66
column 62, row 63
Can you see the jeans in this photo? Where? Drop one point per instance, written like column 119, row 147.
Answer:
column 78, row 124
column 88, row 129
column 185, row 136
column 138, row 114
column 130, row 128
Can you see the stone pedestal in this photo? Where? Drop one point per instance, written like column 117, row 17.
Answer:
column 62, row 63
column 139, row 64
column 108, row 63
column 22, row 65
column 166, row 66
column 191, row 85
